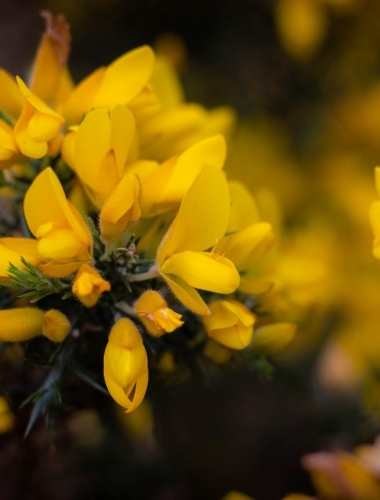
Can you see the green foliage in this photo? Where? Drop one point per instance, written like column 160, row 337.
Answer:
column 33, row 283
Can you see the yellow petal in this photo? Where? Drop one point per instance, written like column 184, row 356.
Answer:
column 8, row 146
column 377, row 180
column 123, row 198
column 120, row 396
column 20, row 324
column 125, row 366
column 211, row 151
column 37, row 103
column 125, row 78
column 45, row 201
column 11, row 250
column 244, row 211
column 374, row 215
column 43, row 127
column 122, row 135
column 201, row 270
column 60, row 244
column 202, row 218
column 92, row 143
column 11, row 99
column 51, row 57
column 81, row 99
column 186, row 294
column 56, row 269
column 272, row 339
column 249, row 244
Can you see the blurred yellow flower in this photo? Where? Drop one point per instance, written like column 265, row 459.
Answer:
column 7, row 418
column 230, row 323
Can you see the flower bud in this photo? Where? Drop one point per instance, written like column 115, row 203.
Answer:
column 89, row 285
column 152, row 309
column 230, row 323
column 25, row 323
column 126, row 365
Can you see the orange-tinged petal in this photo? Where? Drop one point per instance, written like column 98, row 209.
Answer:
column 124, row 79
column 51, row 57
column 89, row 285
column 201, row 270
column 186, row 294
column 202, row 218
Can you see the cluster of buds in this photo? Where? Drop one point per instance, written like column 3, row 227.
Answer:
column 126, row 204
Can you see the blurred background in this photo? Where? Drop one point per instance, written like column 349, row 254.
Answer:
column 304, row 79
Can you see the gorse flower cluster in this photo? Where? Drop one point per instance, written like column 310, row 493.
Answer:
column 119, row 218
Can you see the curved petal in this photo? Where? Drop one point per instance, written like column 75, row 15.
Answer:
column 45, row 201
column 120, row 396
column 125, row 365
column 80, row 101
column 201, row 270
column 244, row 211
column 125, row 78
column 187, row 295
column 92, row 143
column 11, row 251
column 211, row 151
column 249, row 244
column 11, row 99
column 202, row 218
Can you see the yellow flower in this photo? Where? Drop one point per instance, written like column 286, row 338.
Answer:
column 64, row 240
column 7, row 418
column 341, row 475
column 230, row 323
column 99, row 152
column 182, row 258
column 152, row 309
column 89, row 285
column 126, row 365
column 24, row 323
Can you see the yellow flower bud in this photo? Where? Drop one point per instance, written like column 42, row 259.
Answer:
column 126, row 365
column 6, row 416
column 272, row 339
column 25, row 323
column 236, row 495
column 89, row 285
column 230, row 323
column 152, row 309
